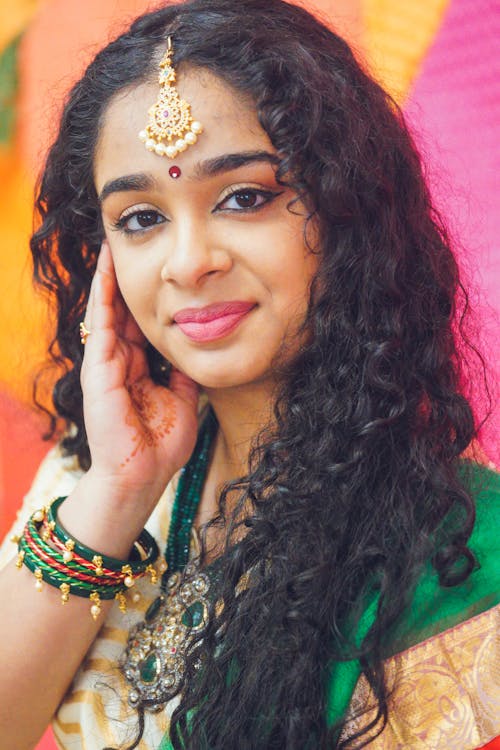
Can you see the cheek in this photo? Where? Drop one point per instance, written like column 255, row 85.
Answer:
column 133, row 276
column 295, row 277
column 124, row 279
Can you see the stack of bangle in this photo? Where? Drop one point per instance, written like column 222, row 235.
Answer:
column 53, row 556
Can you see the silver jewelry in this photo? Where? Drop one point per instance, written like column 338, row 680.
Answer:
column 154, row 660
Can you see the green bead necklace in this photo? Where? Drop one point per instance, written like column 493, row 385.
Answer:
column 155, row 656
column 187, row 499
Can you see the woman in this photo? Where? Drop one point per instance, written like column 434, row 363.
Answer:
column 237, row 214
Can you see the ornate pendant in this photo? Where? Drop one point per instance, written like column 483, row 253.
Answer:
column 154, row 660
column 171, row 128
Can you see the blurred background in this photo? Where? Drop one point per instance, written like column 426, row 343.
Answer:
column 439, row 59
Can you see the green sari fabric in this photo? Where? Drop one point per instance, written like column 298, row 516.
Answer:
column 434, row 608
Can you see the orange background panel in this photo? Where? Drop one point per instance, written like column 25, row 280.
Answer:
column 14, row 17
column 21, row 450
column 397, row 37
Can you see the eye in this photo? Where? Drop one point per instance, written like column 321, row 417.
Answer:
column 246, row 199
column 139, row 221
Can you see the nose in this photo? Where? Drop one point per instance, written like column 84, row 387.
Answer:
column 193, row 255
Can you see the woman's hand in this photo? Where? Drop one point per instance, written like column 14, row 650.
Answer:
column 139, row 433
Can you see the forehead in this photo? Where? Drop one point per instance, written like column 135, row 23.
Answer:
column 229, row 120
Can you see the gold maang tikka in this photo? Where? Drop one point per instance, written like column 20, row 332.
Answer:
column 171, row 128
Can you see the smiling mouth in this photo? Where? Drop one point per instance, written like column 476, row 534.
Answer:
column 212, row 322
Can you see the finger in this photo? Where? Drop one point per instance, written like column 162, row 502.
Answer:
column 86, row 324
column 125, row 324
column 106, row 289
column 100, row 317
column 92, row 304
column 132, row 332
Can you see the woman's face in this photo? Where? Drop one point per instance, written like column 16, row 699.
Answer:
column 212, row 265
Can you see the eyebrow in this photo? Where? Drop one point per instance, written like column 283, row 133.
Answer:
column 227, row 162
column 141, row 181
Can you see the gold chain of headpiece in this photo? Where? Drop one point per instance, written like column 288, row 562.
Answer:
column 171, row 128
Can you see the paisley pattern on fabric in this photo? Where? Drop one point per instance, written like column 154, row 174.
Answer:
column 445, row 691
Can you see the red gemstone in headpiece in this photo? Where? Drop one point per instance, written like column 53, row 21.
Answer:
column 174, row 172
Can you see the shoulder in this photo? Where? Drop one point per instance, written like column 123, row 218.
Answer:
column 435, row 608
column 441, row 667
column 484, row 485
column 57, row 475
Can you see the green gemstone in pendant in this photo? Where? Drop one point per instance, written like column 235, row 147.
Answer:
column 154, row 608
column 149, row 668
column 194, row 615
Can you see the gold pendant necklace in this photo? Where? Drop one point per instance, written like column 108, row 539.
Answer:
column 154, row 660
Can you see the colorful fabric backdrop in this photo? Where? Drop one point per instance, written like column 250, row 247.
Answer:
column 439, row 59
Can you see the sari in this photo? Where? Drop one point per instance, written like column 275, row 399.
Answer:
column 443, row 667
column 443, row 663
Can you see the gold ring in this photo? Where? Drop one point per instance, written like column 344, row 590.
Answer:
column 84, row 333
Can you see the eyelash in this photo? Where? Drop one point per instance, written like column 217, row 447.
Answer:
column 267, row 197
column 121, row 224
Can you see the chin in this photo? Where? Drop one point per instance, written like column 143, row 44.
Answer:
column 220, row 381
column 231, row 374
column 230, row 366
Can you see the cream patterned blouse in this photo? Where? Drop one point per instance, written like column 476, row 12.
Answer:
column 95, row 713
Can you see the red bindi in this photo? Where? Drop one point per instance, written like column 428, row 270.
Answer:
column 175, row 172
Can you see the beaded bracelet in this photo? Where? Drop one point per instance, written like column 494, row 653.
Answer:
column 54, row 557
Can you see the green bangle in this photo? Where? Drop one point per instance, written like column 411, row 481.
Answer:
column 56, row 579
column 145, row 542
column 72, row 566
column 67, row 569
column 43, row 573
column 54, row 554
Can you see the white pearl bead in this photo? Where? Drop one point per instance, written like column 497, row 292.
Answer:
column 181, row 145
column 171, row 152
column 67, row 556
column 143, row 136
column 38, row 516
column 197, row 127
column 136, row 597
column 95, row 611
column 150, row 144
column 190, row 138
column 38, row 585
column 160, row 149
column 129, row 582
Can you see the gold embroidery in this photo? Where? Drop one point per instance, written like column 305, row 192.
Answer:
column 101, row 665
column 445, row 692
column 78, row 696
column 118, row 635
column 61, row 729
column 68, row 727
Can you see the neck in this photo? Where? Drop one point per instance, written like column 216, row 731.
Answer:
column 241, row 413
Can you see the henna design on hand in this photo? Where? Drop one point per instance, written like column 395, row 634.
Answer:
column 152, row 418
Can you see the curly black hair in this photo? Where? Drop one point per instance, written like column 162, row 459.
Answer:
column 347, row 493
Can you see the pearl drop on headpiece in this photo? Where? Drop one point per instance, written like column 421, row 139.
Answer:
column 171, row 128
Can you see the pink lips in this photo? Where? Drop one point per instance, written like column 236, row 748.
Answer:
column 203, row 324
